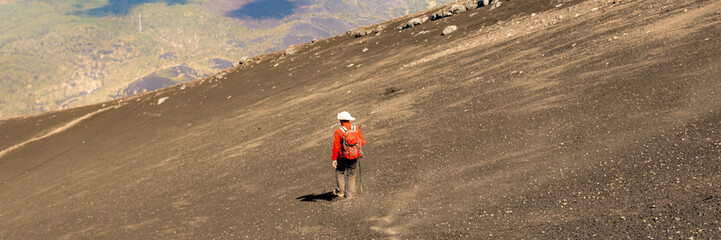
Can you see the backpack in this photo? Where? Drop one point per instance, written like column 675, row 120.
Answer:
column 350, row 143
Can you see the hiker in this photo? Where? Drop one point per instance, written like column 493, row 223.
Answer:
column 346, row 152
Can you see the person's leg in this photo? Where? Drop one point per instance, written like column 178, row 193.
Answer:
column 350, row 171
column 340, row 177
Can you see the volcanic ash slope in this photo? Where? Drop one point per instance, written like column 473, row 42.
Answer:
column 533, row 119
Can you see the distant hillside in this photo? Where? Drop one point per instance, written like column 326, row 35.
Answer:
column 59, row 54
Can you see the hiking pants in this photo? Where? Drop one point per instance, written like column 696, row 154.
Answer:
column 345, row 176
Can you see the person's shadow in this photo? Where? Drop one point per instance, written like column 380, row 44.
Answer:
column 329, row 196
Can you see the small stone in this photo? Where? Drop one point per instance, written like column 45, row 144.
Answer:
column 471, row 5
column 458, row 8
column 594, row 9
column 365, row 49
column 411, row 23
column 364, row 31
column 243, row 60
column 449, row 30
column 291, row 50
column 441, row 14
column 162, row 100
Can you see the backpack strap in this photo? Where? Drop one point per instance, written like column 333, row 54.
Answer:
column 342, row 137
column 345, row 130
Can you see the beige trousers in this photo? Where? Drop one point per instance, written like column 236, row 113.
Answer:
column 345, row 174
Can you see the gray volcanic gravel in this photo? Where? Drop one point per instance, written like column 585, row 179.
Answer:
column 539, row 119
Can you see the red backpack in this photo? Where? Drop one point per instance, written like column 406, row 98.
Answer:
column 350, row 143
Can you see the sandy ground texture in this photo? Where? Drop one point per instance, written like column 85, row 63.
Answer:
column 542, row 119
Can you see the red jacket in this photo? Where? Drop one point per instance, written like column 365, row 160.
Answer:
column 337, row 137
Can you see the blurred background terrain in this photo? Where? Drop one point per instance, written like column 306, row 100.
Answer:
column 64, row 53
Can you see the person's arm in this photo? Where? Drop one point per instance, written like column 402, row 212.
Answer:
column 336, row 145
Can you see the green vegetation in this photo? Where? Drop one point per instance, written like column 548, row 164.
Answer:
column 66, row 53
column 54, row 58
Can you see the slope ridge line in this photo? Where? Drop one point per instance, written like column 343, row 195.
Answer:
column 54, row 131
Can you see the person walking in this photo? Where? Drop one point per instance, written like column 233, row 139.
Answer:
column 347, row 141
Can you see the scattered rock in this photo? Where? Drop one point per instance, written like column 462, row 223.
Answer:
column 358, row 33
column 471, row 5
column 244, row 60
column 182, row 87
column 412, row 23
column 458, row 8
column 365, row 49
column 441, row 14
column 449, row 30
column 365, row 31
column 291, row 50
column 162, row 100
column 496, row 5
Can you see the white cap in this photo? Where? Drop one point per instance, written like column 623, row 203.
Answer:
column 345, row 116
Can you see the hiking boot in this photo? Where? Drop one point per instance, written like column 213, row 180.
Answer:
column 338, row 193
